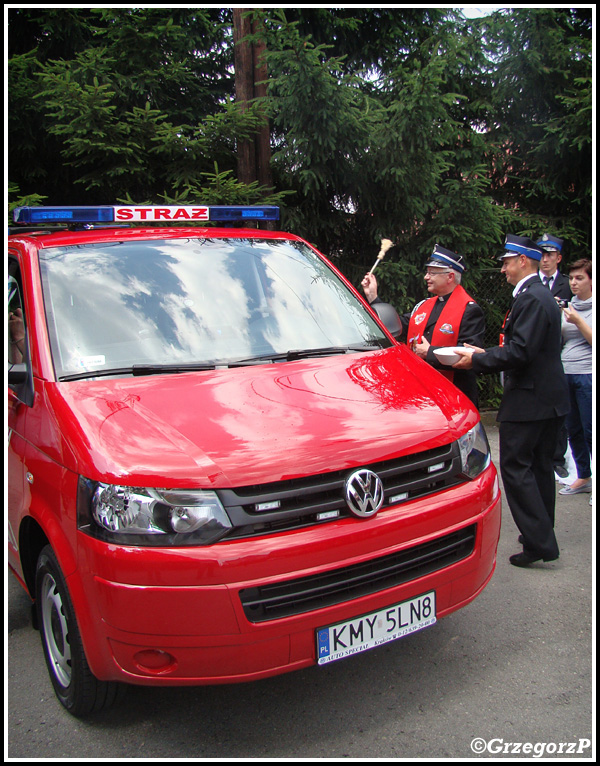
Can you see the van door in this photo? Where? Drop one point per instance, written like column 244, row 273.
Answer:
column 20, row 398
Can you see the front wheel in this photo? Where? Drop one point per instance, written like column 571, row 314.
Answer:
column 76, row 687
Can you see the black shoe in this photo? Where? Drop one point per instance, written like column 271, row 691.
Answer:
column 524, row 559
column 520, row 539
column 561, row 471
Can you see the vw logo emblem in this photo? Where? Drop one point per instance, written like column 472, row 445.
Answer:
column 364, row 493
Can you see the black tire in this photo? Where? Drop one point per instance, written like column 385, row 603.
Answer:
column 78, row 690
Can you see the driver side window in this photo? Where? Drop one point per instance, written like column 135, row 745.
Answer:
column 20, row 377
column 16, row 323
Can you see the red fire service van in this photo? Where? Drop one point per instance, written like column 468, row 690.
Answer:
column 221, row 464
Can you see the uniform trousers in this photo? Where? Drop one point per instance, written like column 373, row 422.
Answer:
column 527, row 470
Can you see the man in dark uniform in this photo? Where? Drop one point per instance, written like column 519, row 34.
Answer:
column 534, row 401
column 450, row 318
column 560, row 288
column 549, row 274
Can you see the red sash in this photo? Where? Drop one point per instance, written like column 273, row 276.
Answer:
column 445, row 332
column 501, row 338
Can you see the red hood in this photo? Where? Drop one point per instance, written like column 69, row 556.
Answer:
column 251, row 425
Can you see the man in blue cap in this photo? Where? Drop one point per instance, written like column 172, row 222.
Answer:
column 449, row 318
column 534, row 402
column 559, row 286
column 557, row 283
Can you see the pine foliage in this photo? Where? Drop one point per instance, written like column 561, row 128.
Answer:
column 416, row 125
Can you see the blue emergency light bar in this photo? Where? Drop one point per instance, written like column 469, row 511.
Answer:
column 48, row 215
column 82, row 214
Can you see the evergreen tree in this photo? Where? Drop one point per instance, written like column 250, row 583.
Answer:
column 539, row 125
column 411, row 124
column 138, row 105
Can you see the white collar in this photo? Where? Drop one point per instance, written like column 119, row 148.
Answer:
column 519, row 285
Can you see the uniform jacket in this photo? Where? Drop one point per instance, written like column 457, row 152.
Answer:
column 471, row 330
column 535, row 387
column 561, row 287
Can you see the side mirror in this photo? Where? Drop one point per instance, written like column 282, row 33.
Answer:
column 389, row 317
column 20, row 380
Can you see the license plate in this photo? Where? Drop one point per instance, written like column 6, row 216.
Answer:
column 374, row 629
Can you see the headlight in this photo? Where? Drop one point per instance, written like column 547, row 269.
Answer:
column 474, row 451
column 142, row 516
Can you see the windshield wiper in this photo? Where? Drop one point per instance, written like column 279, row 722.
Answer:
column 141, row 369
column 95, row 374
column 160, row 369
column 304, row 353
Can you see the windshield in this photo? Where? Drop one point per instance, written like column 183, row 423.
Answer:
column 194, row 301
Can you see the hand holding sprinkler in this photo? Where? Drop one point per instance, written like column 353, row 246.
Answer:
column 385, row 246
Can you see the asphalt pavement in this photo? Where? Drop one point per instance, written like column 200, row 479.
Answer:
column 509, row 676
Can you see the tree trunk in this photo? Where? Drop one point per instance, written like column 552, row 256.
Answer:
column 254, row 154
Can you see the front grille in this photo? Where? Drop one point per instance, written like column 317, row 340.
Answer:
column 287, row 505
column 273, row 601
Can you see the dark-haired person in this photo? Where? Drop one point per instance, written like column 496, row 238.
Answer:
column 557, row 283
column 577, row 362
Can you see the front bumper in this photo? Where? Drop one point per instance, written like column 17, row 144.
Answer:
column 175, row 617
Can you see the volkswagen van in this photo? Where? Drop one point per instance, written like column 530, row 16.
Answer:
column 221, row 464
